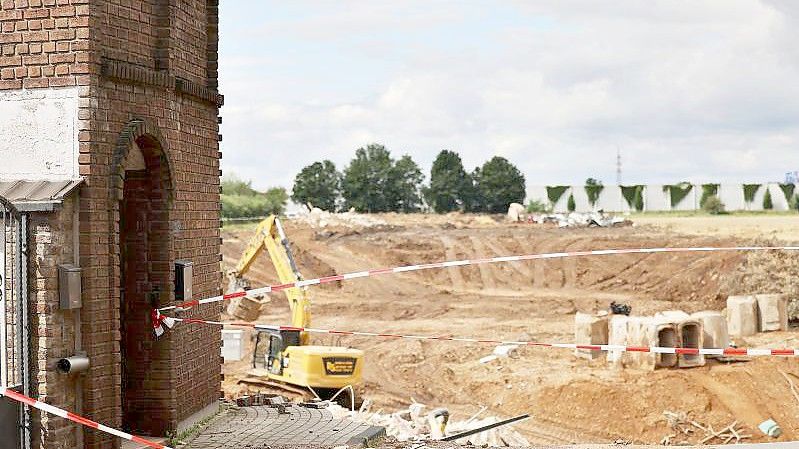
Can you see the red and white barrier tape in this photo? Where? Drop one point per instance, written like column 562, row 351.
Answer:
column 465, row 262
column 654, row 349
column 11, row 394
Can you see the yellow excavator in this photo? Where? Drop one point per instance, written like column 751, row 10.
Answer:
column 288, row 362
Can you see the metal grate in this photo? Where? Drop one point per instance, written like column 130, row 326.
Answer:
column 10, row 314
column 14, row 322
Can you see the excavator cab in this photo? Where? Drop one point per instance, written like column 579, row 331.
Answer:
column 325, row 368
column 270, row 356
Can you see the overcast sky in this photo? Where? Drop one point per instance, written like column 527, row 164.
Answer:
column 686, row 90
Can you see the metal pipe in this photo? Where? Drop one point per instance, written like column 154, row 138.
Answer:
column 22, row 244
column 76, row 316
column 458, row 436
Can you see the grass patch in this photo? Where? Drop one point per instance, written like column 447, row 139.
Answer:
column 178, row 439
column 699, row 213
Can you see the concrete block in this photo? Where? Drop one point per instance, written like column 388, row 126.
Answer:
column 691, row 335
column 772, row 312
column 666, row 338
column 641, row 331
column 590, row 330
column 617, row 335
column 714, row 329
column 631, row 331
column 742, row 318
column 671, row 316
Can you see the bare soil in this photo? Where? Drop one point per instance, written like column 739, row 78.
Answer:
column 572, row 400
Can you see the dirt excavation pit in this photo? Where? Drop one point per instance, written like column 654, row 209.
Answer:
column 572, row 399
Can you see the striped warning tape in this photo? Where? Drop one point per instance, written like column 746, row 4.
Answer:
column 465, row 262
column 11, row 394
column 619, row 348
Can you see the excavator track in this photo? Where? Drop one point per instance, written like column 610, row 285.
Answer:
column 290, row 392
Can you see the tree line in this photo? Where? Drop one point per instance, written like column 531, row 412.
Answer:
column 241, row 200
column 375, row 182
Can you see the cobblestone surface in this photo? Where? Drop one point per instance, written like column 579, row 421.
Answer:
column 260, row 427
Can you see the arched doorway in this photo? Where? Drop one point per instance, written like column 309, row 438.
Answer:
column 145, row 281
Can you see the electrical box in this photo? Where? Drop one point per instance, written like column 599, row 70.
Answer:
column 183, row 280
column 69, row 288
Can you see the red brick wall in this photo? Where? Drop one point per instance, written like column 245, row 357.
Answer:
column 51, row 243
column 44, row 43
column 128, row 56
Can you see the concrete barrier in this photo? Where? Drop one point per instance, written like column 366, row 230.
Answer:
column 617, row 335
column 714, row 329
column 681, row 331
column 590, row 329
column 690, row 335
column 641, row 331
column 772, row 312
column 742, row 316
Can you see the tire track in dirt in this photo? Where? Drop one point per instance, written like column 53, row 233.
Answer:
column 540, row 267
column 570, row 263
column 566, row 433
column 455, row 275
column 518, row 267
column 488, row 272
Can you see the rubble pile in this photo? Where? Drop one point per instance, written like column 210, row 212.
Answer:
column 318, row 218
column 581, row 220
column 417, row 424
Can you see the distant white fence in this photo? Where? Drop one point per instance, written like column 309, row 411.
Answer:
column 657, row 198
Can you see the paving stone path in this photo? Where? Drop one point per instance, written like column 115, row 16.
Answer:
column 259, row 427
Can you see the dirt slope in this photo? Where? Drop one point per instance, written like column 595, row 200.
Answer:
column 572, row 400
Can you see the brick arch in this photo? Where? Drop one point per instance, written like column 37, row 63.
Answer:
column 140, row 131
column 142, row 254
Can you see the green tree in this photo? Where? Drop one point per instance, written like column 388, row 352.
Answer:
column 767, row 202
column 571, row 204
column 405, row 181
column 593, row 188
column 592, row 182
column 233, row 185
column 450, row 185
column 276, row 199
column 498, row 183
column 318, row 184
column 374, row 182
column 366, row 179
column 713, row 205
column 240, row 200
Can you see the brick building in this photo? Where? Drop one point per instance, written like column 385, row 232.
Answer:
column 109, row 122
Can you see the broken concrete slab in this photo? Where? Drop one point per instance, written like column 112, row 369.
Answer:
column 742, row 316
column 590, row 329
column 772, row 312
column 714, row 328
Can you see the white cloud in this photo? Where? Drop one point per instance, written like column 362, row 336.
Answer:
column 699, row 90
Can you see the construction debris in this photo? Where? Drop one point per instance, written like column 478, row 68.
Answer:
column 687, row 431
column 319, row 218
column 413, row 424
column 770, row 428
column 581, row 220
column 515, row 212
